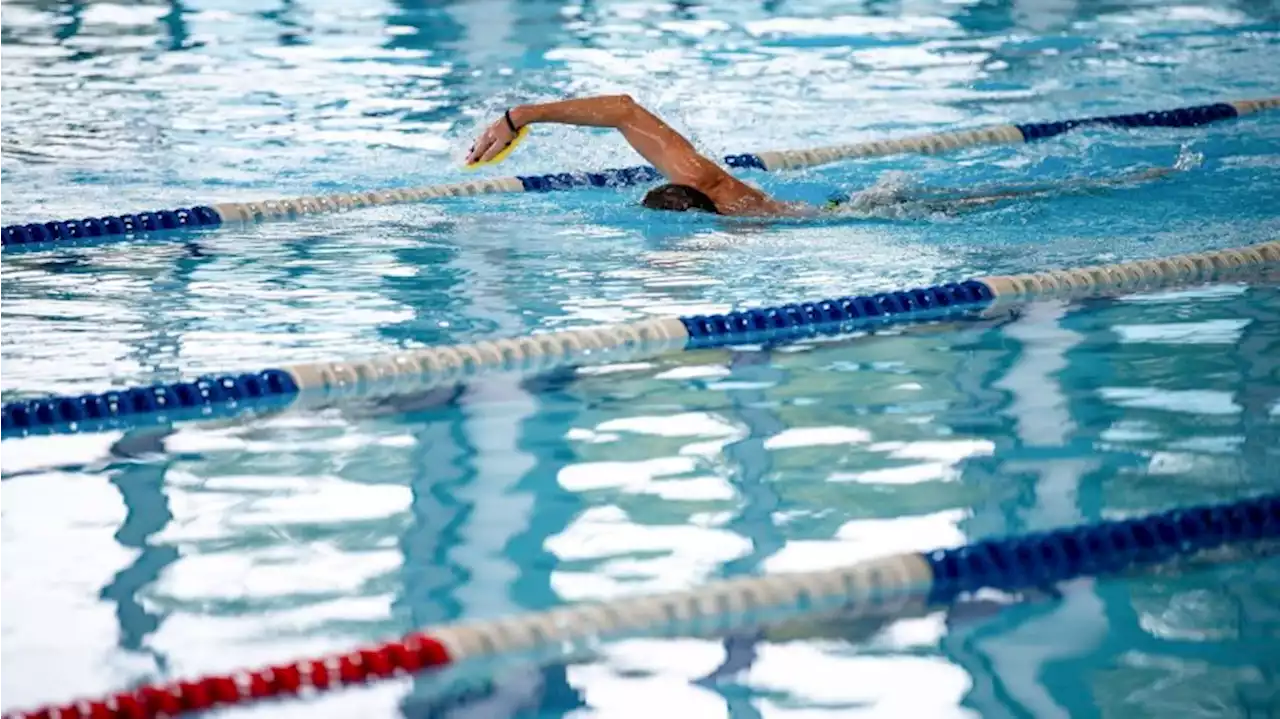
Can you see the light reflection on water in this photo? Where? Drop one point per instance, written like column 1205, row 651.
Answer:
column 149, row 554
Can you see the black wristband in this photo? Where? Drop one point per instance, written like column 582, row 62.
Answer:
column 510, row 124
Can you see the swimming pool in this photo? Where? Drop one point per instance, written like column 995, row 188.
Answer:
column 140, row 556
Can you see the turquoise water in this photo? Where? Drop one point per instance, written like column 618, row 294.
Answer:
column 136, row 556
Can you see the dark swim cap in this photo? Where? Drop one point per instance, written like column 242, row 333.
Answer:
column 678, row 198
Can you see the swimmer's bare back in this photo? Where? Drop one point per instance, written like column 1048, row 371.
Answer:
column 681, row 163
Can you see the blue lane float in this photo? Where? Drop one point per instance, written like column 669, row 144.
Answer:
column 40, row 235
column 1043, row 559
column 1182, row 117
column 112, row 226
column 207, row 397
column 834, row 316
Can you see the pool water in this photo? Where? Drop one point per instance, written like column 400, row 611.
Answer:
column 137, row 556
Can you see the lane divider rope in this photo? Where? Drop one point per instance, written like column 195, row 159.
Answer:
column 229, row 213
column 883, row 587
column 317, row 384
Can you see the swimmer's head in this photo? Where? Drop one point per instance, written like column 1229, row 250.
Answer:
column 678, row 198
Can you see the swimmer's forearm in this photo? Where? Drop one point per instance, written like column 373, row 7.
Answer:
column 605, row 111
column 656, row 141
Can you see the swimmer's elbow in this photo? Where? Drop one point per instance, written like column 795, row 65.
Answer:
column 628, row 108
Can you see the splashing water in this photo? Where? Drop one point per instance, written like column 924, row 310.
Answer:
column 1188, row 159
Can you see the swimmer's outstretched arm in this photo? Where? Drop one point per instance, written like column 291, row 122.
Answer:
column 667, row 150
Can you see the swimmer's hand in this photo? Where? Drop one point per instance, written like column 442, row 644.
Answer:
column 496, row 138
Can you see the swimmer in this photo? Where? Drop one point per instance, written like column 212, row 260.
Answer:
column 698, row 183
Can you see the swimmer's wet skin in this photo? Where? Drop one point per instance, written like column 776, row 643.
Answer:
column 699, row 183
column 519, row 133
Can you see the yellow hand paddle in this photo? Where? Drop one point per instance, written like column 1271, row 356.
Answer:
column 517, row 136
column 520, row 135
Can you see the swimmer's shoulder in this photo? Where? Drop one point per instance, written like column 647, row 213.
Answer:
column 736, row 198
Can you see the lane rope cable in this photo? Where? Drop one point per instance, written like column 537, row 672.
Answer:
column 885, row 587
column 320, row 384
column 37, row 235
